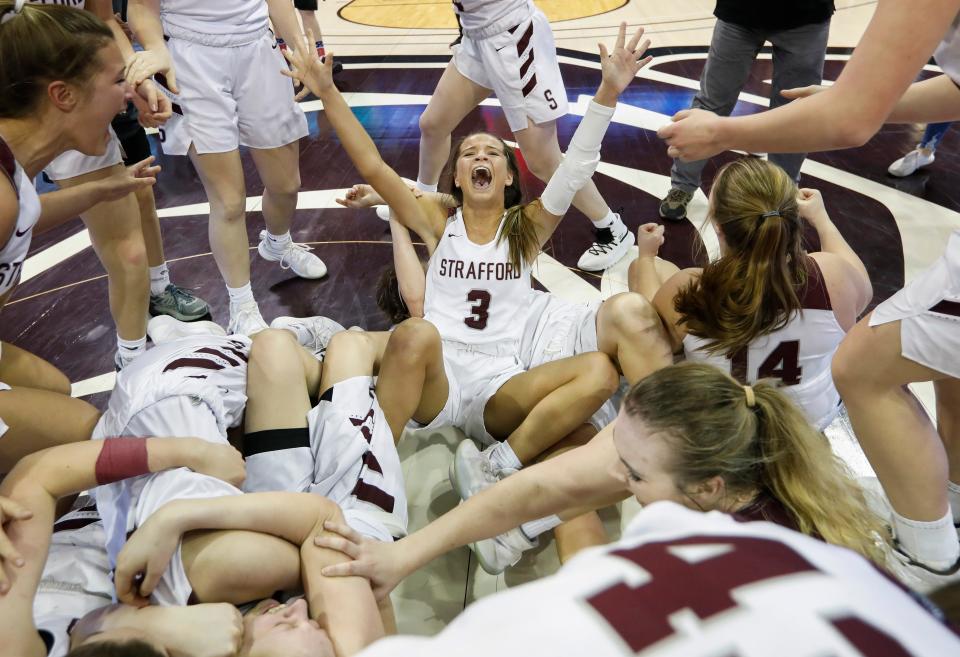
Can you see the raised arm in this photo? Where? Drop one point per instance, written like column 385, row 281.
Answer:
column 411, row 278
column 847, row 114
column 579, row 479
column 619, row 69
column 38, row 480
column 318, row 76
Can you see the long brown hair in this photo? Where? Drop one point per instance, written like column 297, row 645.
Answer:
column 41, row 44
column 703, row 415
column 755, row 287
column 518, row 226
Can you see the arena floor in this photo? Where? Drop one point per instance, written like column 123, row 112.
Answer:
column 394, row 52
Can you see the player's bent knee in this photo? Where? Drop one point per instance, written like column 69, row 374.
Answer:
column 228, row 209
column 270, row 343
column 413, row 338
column 602, row 374
column 631, row 311
column 353, row 344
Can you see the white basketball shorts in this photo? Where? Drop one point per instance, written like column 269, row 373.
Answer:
column 520, row 66
column 928, row 309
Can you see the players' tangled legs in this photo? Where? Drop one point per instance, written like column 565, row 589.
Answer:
column 242, row 493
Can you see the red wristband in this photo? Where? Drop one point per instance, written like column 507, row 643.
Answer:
column 121, row 458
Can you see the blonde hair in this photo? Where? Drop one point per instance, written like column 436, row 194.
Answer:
column 43, row 43
column 704, row 416
column 754, row 288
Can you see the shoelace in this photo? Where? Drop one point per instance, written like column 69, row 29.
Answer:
column 292, row 252
column 677, row 196
column 181, row 293
column 604, row 242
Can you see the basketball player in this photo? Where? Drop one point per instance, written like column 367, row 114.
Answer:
column 687, row 433
column 46, row 108
column 912, row 336
column 479, row 281
column 766, row 308
column 194, row 44
column 691, row 584
column 49, row 580
column 507, row 47
column 120, row 229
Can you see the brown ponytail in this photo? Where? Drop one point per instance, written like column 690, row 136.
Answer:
column 518, row 226
column 41, row 44
column 704, row 415
column 754, row 288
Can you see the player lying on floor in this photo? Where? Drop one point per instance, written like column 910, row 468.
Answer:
column 460, row 366
column 51, row 576
column 687, row 433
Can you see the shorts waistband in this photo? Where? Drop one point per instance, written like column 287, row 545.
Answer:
column 216, row 40
column 503, row 348
column 507, row 22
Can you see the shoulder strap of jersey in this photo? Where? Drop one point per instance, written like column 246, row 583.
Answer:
column 8, row 164
column 815, row 295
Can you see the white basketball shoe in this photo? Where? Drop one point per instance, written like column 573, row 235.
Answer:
column 314, row 333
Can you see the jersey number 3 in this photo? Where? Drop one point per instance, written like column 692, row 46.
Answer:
column 480, row 311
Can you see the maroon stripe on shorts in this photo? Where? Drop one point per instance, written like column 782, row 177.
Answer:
column 371, row 462
column 945, row 307
column 219, row 354
column 526, row 65
column 525, row 40
column 201, row 363
column 367, row 493
column 528, row 87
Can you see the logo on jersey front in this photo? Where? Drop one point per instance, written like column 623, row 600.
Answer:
column 478, row 271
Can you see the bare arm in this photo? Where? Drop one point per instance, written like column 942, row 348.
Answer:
column 579, row 478
column 64, row 204
column 285, row 21
column 144, row 19
column 663, row 302
column 883, row 65
column 35, row 483
column 410, row 275
column 931, row 101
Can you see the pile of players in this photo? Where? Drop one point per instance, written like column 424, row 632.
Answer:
column 753, row 536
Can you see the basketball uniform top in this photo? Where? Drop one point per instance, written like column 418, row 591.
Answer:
column 798, row 354
column 214, row 17
column 482, row 14
column 76, row 578
column 14, row 252
column 947, row 54
column 210, row 369
column 474, row 294
column 682, row 583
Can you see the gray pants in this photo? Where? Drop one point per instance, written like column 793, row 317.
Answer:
column 798, row 56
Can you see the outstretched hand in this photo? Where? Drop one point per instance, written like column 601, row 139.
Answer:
column 360, row 196
column 130, row 179
column 621, row 66
column 377, row 561
column 307, row 68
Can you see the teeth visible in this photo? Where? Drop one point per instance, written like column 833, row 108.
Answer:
column 482, row 174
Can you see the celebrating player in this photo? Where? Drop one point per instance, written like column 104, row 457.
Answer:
column 766, row 308
column 507, row 48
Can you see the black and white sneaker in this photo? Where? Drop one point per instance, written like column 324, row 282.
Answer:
column 608, row 247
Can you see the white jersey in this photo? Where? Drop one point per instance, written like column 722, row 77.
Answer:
column 681, row 583
column 474, row 294
column 947, row 54
column 76, row 577
column 798, row 355
column 14, row 252
column 237, row 19
column 77, row 4
column 482, row 14
column 209, row 369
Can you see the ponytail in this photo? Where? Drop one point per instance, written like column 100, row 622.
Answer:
column 755, row 287
column 714, row 431
column 43, row 43
column 801, row 470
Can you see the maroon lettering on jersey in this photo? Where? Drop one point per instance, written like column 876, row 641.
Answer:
column 480, row 310
column 640, row 615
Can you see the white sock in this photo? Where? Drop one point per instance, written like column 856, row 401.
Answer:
column 609, row 221
column 934, row 544
column 239, row 295
column 534, row 528
column 953, row 496
column 159, row 279
column 424, row 187
column 130, row 349
column 278, row 243
column 502, row 456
